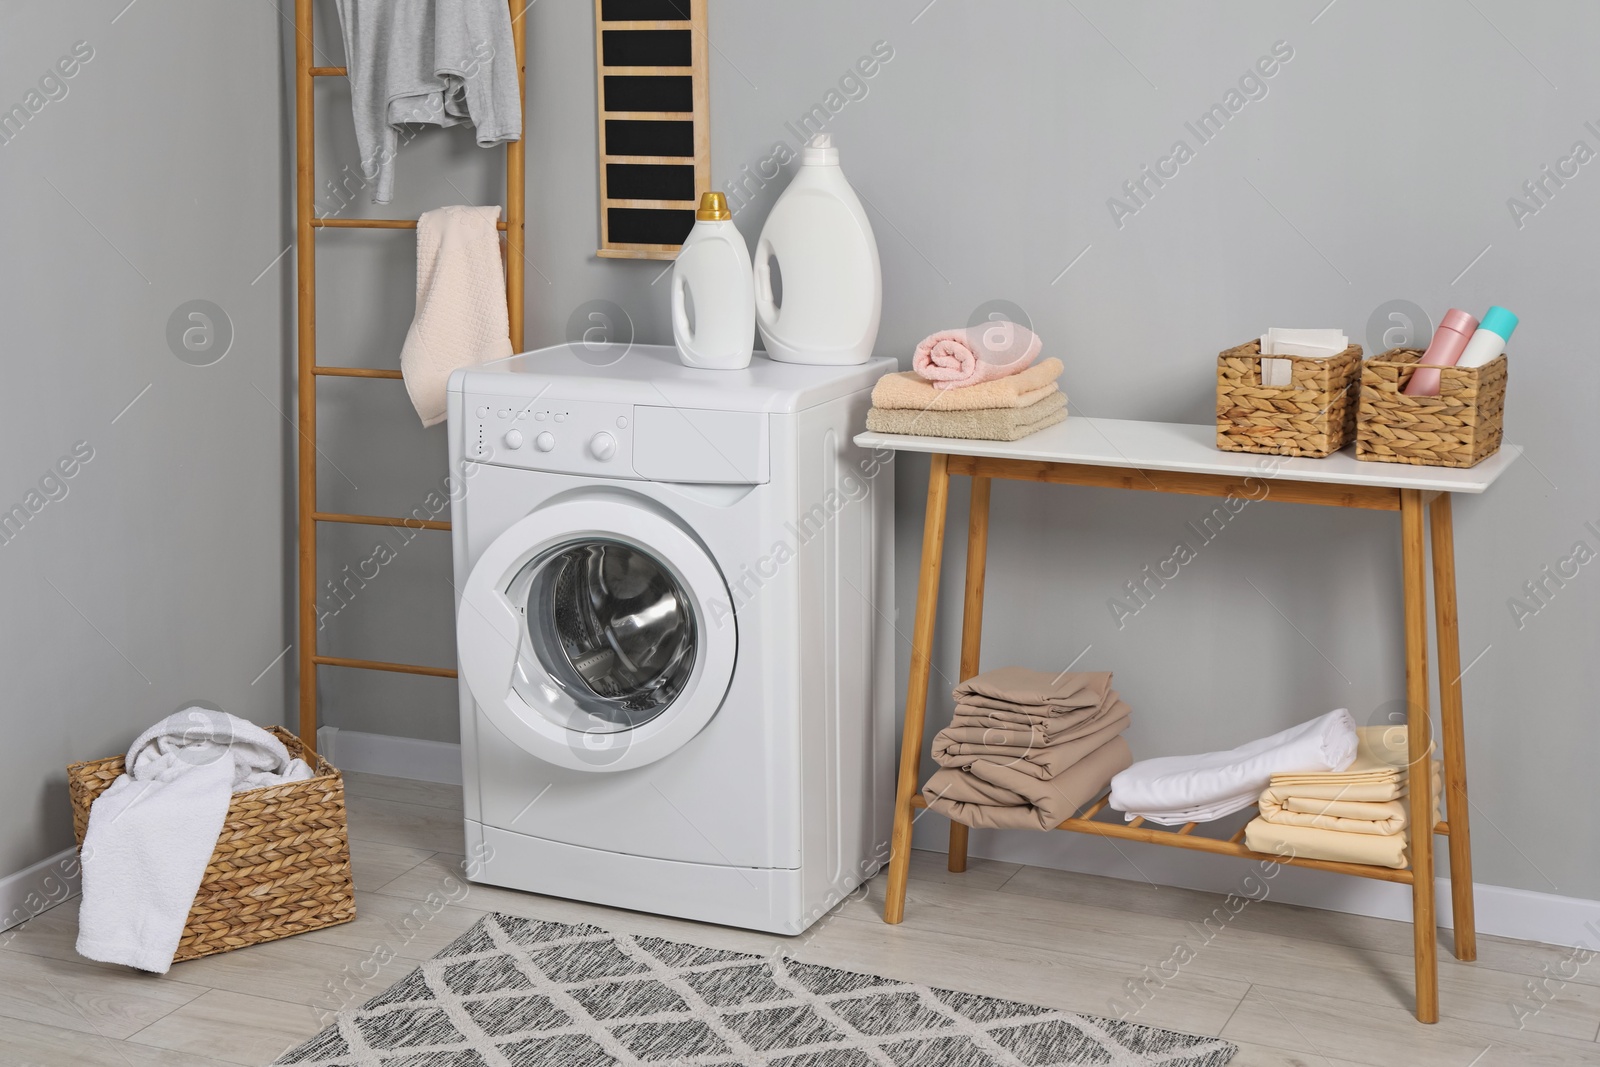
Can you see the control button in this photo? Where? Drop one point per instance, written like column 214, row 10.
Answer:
column 513, row 438
column 622, row 422
column 603, row 446
column 483, row 411
column 539, row 416
column 561, row 416
column 545, row 441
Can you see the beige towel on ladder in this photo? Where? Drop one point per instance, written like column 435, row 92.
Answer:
column 461, row 318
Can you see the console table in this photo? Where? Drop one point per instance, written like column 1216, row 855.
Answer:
column 1177, row 458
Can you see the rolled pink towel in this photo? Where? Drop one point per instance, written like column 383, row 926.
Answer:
column 951, row 359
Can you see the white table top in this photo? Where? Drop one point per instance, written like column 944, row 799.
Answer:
column 1190, row 449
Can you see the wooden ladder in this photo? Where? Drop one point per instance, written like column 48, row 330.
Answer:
column 307, row 223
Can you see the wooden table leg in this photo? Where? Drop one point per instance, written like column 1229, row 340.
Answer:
column 1419, row 796
column 972, row 624
column 894, row 904
column 1463, row 915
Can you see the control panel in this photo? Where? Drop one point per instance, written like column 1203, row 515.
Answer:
column 564, row 437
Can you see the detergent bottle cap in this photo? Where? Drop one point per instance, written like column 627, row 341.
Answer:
column 713, row 208
column 819, row 152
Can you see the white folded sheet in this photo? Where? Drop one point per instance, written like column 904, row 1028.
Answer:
column 1170, row 790
column 152, row 832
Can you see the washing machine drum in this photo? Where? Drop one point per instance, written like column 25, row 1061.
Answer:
column 595, row 633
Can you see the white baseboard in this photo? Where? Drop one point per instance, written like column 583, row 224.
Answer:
column 35, row 890
column 1501, row 910
column 399, row 757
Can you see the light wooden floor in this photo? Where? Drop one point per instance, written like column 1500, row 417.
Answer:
column 1293, row 987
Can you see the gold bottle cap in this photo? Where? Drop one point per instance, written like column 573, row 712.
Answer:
column 713, row 208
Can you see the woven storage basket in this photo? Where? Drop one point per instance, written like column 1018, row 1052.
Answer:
column 1460, row 427
column 282, row 863
column 1314, row 415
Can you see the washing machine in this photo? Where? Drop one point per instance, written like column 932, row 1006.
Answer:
column 675, row 632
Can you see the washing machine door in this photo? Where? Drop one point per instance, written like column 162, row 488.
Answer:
column 591, row 634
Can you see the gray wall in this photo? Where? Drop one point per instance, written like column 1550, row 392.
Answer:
column 1376, row 168
column 156, row 574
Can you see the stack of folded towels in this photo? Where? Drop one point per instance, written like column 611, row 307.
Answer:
column 1173, row 790
column 1027, row 748
column 979, row 383
column 1357, row 815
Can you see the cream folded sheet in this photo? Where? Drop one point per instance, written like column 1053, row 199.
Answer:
column 1378, row 773
column 1348, row 816
column 911, row 391
column 1171, row 790
column 1307, row 842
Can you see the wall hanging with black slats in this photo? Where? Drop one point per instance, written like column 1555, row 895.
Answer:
column 655, row 133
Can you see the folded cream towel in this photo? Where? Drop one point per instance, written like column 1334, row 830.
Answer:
column 906, row 389
column 1347, row 816
column 996, row 796
column 1378, row 773
column 461, row 318
column 1176, row 789
column 952, row 359
column 994, row 424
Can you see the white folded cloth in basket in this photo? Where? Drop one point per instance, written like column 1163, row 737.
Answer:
column 1172, row 790
column 153, row 830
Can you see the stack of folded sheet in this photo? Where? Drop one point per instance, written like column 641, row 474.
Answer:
column 1173, row 790
column 1358, row 815
column 981, row 383
column 1026, row 748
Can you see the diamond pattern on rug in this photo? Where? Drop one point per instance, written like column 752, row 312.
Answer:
column 628, row 999
column 514, row 992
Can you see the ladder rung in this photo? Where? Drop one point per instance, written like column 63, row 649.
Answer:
column 1441, row 827
column 381, row 520
column 374, row 224
column 378, row 665
column 1188, row 828
column 356, row 372
column 330, row 72
column 1238, row 834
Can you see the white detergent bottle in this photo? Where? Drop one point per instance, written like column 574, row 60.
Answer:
column 713, row 308
column 819, row 287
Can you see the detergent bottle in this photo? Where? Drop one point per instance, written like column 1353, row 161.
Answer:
column 713, row 308
column 818, row 283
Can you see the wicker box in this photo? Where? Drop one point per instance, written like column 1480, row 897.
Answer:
column 1314, row 415
column 1460, row 427
column 282, row 862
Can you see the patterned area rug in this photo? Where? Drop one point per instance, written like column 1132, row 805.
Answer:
column 522, row 993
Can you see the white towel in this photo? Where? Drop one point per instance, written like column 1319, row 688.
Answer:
column 461, row 316
column 152, row 832
column 1170, row 790
column 1315, row 344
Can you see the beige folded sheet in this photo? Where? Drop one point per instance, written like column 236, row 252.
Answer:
column 986, row 424
column 994, row 796
column 1041, row 761
column 1309, row 842
column 997, row 730
column 1023, row 690
column 909, row 390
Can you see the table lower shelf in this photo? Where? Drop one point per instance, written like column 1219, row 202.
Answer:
column 1185, row 837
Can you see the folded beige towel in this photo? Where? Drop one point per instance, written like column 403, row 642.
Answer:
column 996, row 796
column 1347, row 816
column 1041, row 761
column 1309, row 842
column 989, row 424
column 911, row 391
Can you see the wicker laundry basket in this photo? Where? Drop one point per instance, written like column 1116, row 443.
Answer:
column 1314, row 415
column 1461, row 427
column 282, row 863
